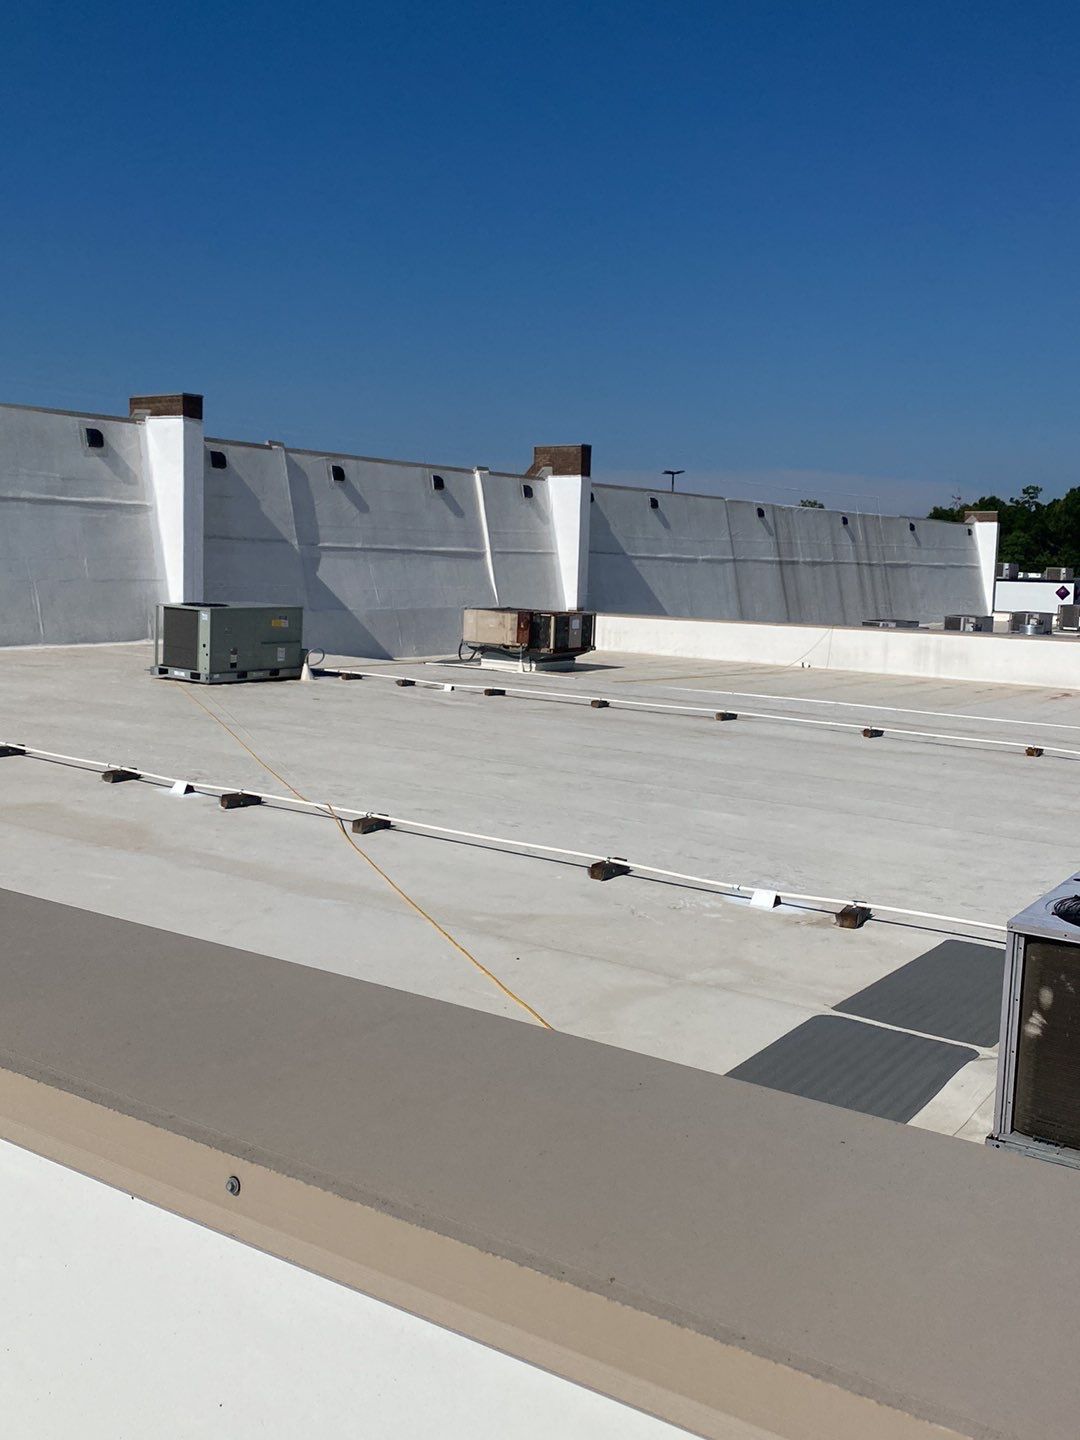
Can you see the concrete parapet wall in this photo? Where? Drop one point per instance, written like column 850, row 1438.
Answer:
column 79, row 560
column 382, row 562
column 702, row 556
column 940, row 655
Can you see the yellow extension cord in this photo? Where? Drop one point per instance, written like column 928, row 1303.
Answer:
column 413, row 904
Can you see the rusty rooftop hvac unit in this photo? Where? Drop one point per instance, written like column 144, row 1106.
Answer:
column 536, row 635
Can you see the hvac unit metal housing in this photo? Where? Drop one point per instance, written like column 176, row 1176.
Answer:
column 970, row 624
column 892, row 624
column 1008, row 570
column 1031, row 622
column 1069, row 617
column 535, row 634
column 1037, row 1108
column 1058, row 572
column 216, row 644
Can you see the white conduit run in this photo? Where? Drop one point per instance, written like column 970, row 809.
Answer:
column 621, row 703
column 862, row 705
column 527, row 847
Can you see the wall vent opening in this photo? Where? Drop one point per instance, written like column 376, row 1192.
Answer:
column 654, row 504
column 526, row 492
column 337, row 474
column 95, row 440
column 217, row 460
column 438, row 483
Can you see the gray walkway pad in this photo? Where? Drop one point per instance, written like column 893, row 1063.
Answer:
column 861, row 1067
column 954, row 991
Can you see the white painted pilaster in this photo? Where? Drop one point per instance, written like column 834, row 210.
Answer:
column 569, row 497
column 173, row 448
column 987, row 529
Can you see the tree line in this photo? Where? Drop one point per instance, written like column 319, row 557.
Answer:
column 1033, row 535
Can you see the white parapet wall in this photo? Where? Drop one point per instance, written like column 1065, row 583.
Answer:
column 653, row 553
column 104, row 516
column 79, row 561
column 933, row 654
column 383, row 555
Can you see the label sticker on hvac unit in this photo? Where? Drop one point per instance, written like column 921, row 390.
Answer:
column 281, row 654
column 279, row 622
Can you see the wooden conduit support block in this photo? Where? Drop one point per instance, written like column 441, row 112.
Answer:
column 239, row 800
column 607, row 869
column 368, row 824
column 117, row 775
column 853, row 917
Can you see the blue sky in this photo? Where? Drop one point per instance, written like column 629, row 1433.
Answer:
column 792, row 246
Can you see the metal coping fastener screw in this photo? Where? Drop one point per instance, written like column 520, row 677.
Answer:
column 232, row 1185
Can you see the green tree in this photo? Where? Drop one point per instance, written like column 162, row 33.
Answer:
column 1033, row 534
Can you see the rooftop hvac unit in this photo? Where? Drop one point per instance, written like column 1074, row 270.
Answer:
column 1030, row 622
column 216, row 643
column 1037, row 1109
column 1069, row 617
column 1058, row 572
column 892, row 624
column 1008, row 570
column 535, row 635
column 970, row 624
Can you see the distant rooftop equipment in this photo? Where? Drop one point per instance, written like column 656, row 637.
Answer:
column 1030, row 622
column 216, row 644
column 1058, row 572
column 882, row 624
column 1069, row 617
column 1037, row 1109
column 1008, row 570
column 527, row 639
column 970, row 624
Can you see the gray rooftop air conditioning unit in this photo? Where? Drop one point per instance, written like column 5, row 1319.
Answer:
column 1058, row 572
column 1037, row 1108
column 1008, row 570
column 970, row 624
column 212, row 644
column 1069, row 617
column 1031, row 622
column 535, row 636
column 892, row 624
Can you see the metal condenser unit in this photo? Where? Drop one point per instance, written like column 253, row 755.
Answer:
column 213, row 644
column 1031, row 622
column 970, row 624
column 1037, row 1110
